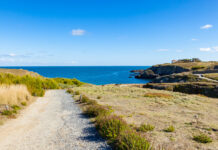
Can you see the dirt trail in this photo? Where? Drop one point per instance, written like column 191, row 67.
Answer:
column 53, row 122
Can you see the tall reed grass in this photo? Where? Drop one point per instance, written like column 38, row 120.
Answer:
column 14, row 94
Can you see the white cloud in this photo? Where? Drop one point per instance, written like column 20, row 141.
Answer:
column 78, row 32
column 11, row 54
column 194, row 39
column 205, row 49
column 162, row 50
column 207, row 26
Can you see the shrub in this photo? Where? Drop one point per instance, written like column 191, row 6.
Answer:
column 7, row 112
column 202, row 138
column 146, row 127
column 23, row 103
column 170, row 129
column 111, row 126
column 98, row 97
column 15, row 107
column 158, row 95
column 77, row 93
column 84, row 99
column 97, row 110
column 69, row 82
column 131, row 141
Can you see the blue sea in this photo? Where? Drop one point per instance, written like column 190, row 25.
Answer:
column 98, row 75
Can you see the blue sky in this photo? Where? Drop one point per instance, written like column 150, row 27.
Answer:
column 106, row 32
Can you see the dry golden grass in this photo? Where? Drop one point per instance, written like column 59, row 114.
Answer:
column 19, row 72
column 14, row 94
column 189, row 114
column 189, row 65
column 213, row 76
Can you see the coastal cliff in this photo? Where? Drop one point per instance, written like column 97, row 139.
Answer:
column 179, row 71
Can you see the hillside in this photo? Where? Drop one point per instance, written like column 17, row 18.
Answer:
column 153, row 113
column 19, row 72
column 178, row 67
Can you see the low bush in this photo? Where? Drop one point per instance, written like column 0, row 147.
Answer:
column 84, row 99
column 69, row 82
column 158, row 95
column 7, row 113
column 97, row 110
column 170, row 129
column 131, row 141
column 146, row 128
column 15, row 107
column 110, row 127
column 77, row 93
column 23, row 103
column 98, row 97
column 202, row 138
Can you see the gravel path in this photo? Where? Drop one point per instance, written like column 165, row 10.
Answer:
column 53, row 122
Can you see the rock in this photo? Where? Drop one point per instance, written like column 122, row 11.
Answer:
column 160, row 70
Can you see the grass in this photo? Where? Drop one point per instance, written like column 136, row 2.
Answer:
column 23, row 103
column 37, row 85
column 159, row 111
column 131, row 140
column 14, row 94
column 111, row 127
column 146, row 128
column 190, row 65
column 119, row 134
column 67, row 83
column 97, row 110
column 213, row 76
column 197, row 67
column 171, row 128
column 158, row 95
column 202, row 138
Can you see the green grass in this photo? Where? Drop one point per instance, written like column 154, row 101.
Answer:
column 23, row 103
column 63, row 82
column 111, row 127
column 37, row 85
column 202, row 138
column 131, row 141
column 170, row 129
column 7, row 113
column 146, row 128
column 97, row 110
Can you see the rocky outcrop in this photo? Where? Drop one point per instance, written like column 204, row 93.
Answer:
column 160, row 70
column 181, row 78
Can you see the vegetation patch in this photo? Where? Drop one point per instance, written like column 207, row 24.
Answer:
column 97, row 110
column 23, row 103
column 202, row 138
column 198, row 67
column 157, row 95
column 170, row 129
column 146, row 128
column 131, row 140
column 110, row 127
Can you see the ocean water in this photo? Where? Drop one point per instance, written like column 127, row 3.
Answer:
column 98, row 75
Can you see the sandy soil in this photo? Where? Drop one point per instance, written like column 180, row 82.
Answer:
column 53, row 122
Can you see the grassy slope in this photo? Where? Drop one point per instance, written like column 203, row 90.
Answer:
column 213, row 76
column 189, row 114
column 190, row 65
column 19, row 72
